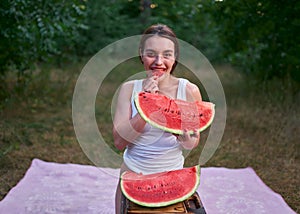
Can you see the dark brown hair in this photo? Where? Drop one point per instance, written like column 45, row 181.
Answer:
column 163, row 31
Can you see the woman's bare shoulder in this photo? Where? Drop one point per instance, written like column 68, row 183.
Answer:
column 193, row 92
column 126, row 89
column 191, row 86
column 128, row 83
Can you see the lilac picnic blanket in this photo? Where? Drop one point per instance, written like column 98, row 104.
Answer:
column 80, row 189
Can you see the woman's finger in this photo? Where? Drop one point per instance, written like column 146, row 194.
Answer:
column 151, row 85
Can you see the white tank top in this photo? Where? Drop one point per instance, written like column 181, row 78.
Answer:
column 155, row 150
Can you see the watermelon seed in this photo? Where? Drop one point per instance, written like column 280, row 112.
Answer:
column 200, row 115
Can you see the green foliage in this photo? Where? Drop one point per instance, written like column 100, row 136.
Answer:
column 260, row 36
column 108, row 21
column 191, row 24
column 257, row 36
column 38, row 30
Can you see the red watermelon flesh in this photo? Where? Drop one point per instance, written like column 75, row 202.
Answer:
column 174, row 115
column 157, row 73
column 160, row 189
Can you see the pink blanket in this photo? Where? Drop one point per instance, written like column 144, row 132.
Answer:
column 72, row 188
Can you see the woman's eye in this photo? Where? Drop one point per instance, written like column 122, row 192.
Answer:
column 154, row 54
column 150, row 54
column 167, row 55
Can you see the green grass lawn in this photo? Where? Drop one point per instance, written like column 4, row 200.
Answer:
column 262, row 128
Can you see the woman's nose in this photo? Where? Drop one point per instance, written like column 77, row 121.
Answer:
column 158, row 60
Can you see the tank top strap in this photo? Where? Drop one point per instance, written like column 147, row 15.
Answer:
column 181, row 91
column 137, row 87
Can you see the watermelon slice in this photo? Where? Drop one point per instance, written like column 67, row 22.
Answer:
column 160, row 189
column 158, row 73
column 174, row 115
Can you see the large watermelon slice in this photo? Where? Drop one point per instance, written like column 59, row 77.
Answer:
column 174, row 115
column 160, row 189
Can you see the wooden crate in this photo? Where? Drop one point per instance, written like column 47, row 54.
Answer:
column 191, row 205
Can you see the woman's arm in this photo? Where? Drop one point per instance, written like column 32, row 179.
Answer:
column 190, row 141
column 125, row 128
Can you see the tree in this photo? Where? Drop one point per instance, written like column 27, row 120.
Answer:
column 187, row 18
column 38, row 30
column 260, row 36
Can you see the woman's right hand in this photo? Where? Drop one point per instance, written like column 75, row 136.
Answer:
column 150, row 84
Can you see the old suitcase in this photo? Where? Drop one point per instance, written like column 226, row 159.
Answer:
column 191, row 205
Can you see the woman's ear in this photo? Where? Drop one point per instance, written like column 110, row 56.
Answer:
column 141, row 55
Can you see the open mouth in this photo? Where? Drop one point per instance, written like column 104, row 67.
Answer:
column 158, row 72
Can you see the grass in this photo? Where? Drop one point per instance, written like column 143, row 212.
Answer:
column 262, row 129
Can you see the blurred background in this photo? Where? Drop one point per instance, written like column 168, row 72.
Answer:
column 253, row 45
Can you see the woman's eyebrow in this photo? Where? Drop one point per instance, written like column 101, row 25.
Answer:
column 163, row 51
column 168, row 51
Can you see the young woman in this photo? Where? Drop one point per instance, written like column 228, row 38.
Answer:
column 148, row 149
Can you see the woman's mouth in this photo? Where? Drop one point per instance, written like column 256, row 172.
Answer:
column 158, row 71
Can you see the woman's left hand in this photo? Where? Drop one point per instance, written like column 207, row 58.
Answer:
column 187, row 140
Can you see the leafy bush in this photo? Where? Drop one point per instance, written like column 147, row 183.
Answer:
column 38, row 30
column 108, row 22
column 260, row 36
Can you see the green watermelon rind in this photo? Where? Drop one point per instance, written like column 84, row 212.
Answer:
column 166, row 203
column 175, row 131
